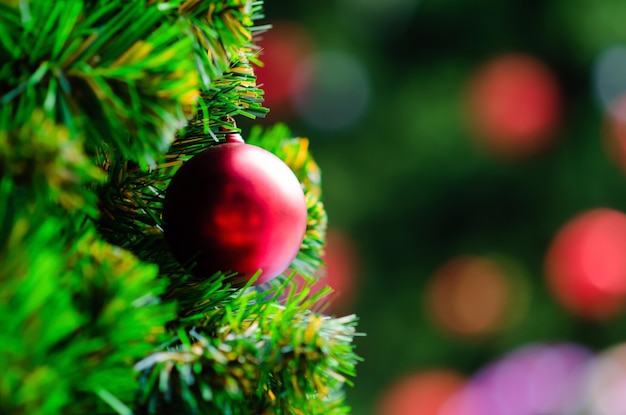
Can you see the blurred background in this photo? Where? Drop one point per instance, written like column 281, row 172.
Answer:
column 474, row 168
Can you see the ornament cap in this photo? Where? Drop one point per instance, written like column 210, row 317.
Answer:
column 234, row 138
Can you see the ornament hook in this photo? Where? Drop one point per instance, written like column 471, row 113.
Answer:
column 231, row 135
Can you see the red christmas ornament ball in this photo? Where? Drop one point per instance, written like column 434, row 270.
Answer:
column 237, row 208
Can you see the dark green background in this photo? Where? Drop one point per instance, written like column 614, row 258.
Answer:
column 409, row 187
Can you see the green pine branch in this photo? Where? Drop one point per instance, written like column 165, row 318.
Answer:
column 252, row 355
column 92, row 93
column 75, row 311
column 118, row 73
column 45, row 161
column 222, row 31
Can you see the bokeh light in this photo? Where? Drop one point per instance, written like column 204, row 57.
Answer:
column 608, row 77
column 342, row 269
column 534, row 379
column 284, row 48
column 614, row 131
column 420, row 393
column 332, row 90
column 606, row 383
column 514, row 105
column 472, row 296
column 610, row 91
column 484, row 122
column 340, row 273
column 586, row 265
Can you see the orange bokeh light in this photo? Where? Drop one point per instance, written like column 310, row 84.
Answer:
column 614, row 132
column 586, row 264
column 514, row 105
column 470, row 296
column 423, row 393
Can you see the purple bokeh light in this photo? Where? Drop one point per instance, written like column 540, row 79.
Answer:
column 536, row 379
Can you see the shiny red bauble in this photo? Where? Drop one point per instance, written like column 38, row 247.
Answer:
column 236, row 208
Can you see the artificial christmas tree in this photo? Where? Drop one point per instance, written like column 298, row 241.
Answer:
column 102, row 102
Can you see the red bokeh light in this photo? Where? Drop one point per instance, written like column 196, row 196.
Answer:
column 586, row 264
column 423, row 393
column 284, row 47
column 514, row 105
column 342, row 260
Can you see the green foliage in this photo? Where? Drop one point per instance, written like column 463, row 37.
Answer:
column 34, row 379
column 45, row 161
column 92, row 94
column 118, row 73
column 221, row 30
column 246, row 353
column 75, row 313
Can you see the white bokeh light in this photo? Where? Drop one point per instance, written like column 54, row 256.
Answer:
column 607, row 382
column 608, row 78
column 332, row 90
